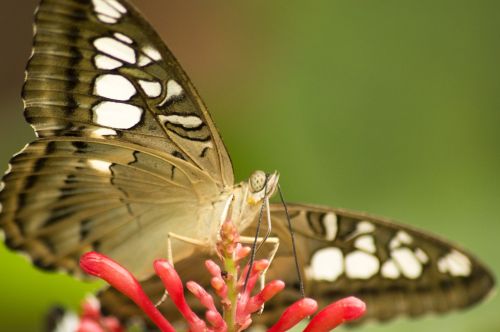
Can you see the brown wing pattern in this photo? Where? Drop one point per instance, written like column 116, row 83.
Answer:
column 126, row 149
column 98, row 69
column 65, row 197
column 396, row 269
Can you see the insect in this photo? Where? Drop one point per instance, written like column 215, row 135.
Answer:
column 128, row 162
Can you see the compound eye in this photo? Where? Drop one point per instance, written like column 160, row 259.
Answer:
column 257, row 181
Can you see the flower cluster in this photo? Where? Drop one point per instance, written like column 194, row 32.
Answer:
column 233, row 288
column 91, row 319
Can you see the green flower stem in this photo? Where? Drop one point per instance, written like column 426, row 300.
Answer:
column 232, row 294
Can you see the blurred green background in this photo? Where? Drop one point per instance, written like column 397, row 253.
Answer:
column 390, row 107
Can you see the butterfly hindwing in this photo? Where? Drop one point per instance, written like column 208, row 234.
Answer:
column 395, row 269
column 64, row 197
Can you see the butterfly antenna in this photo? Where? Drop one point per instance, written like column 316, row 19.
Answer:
column 294, row 247
column 254, row 244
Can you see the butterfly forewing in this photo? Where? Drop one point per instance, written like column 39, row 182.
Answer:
column 396, row 269
column 126, row 151
column 98, row 69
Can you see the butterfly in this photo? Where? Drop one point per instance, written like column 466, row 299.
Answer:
column 127, row 155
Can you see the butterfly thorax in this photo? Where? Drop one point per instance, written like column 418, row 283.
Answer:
column 243, row 202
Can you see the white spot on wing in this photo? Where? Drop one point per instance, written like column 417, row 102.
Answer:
column 152, row 89
column 103, row 132
column 102, row 7
column 456, row 264
column 144, row 60
column 108, row 11
column 330, row 223
column 366, row 243
column 117, row 115
column 362, row 227
column 399, row 239
column 116, row 4
column 115, row 49
column 104, row 62
column 326, row 264
column 365, row 227
column 421, row 256
column 2, row 185
column 114, row 87
column 408, row 262
column 360, row 265
column 100, row 165
column 187, row 121
column 390, row 270
column 106, row 19
column 123, row 38
column 173, row 90
column 152, row 53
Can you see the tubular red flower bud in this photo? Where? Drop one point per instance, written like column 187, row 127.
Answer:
column 91, row 308
column 244, row 325
column 91, row 319
column 241, row 252
column 202, row 295
column 175, row 289
column 294, row 314
column 336, row 313
column 216, row 320
column 112, row 324
column 270, row 290
column 117, row 276
column 219, row 286
column 89, row 325
column 213, row 268
column 258, row 267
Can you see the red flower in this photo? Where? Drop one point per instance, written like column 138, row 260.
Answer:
column 91, row 319
column 237, row 303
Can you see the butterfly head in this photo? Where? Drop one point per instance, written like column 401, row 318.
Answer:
column 262, row 185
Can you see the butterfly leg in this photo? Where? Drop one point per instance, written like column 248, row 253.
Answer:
column 273, row 241
column 170, row 258
column 185, row 239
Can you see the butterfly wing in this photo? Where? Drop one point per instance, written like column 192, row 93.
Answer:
column 67, row 196
column 395, row 269
column 126, row 150
column 99, row 69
